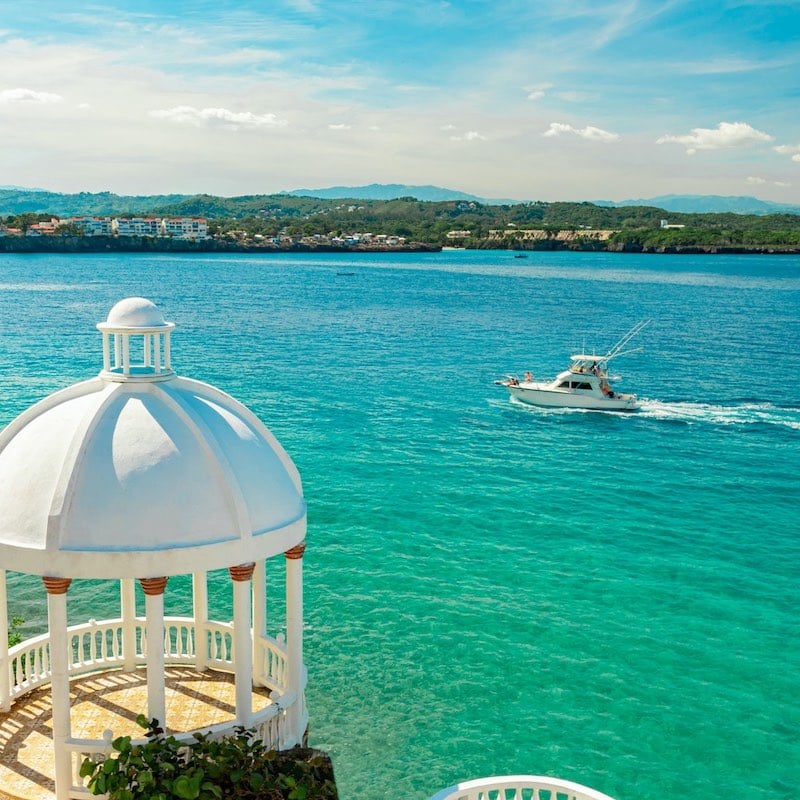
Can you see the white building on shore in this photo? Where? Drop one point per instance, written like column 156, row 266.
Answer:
column 137, row 226
column 185, row 228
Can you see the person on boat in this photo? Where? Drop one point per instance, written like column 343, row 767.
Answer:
column 528, row 377
column 512, row 381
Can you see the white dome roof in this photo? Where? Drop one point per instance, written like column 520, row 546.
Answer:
column 116, row 478
column 134, row 313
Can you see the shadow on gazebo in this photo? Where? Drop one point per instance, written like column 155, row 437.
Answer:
column 108, row 701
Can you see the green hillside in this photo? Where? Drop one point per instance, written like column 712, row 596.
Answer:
column 422, row 221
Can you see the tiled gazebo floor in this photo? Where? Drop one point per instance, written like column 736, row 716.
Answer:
column 105, row 701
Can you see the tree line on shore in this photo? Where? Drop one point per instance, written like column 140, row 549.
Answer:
column 634, row 227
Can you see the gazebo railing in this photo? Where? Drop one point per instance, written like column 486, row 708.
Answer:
column 270, row 726
column 100, row 645
column 519, row 787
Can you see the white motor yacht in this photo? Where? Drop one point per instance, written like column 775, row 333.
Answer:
column 586, row 383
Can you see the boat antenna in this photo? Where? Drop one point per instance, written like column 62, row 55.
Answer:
column 616, row 350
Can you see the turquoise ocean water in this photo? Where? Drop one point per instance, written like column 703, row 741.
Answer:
column 492, row 588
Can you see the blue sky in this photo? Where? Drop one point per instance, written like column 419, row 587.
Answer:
column 526, row 99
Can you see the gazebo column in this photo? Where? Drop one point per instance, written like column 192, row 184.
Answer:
column 294, row 635
column 59, row 681
column 127, row 592
column 5, row 671
column 259, row 614
column 200, row 611
column 242, row 642
column 154, row 613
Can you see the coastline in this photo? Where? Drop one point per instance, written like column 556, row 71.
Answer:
column 594, row 246
column 152, row 244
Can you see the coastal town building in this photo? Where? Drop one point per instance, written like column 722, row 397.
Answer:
column 185, row 228
column 539, row 234
column 137, row 226
column 92, row 226
column 43, row 228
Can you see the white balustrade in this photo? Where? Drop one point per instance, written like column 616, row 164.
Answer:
column 219, row 644
column 179, row 640
column 268, row 726
column 519, row 787
column 270, row 661
column 96, row 646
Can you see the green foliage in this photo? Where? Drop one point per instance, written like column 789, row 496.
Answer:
column 233, row 768
column 14, row 635
column 418, row 221
column 69, row 229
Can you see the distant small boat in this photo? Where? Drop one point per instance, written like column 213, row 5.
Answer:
column 584, row 384
column 345, row 273
column 520, row 255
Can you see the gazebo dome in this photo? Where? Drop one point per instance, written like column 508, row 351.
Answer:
column 134, row 312
column 141, row 473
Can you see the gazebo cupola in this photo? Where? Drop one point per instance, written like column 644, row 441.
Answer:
column 136, row 343
column 141, row 475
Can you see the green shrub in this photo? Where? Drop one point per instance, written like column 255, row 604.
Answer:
column 14, row 636
column 236, row 767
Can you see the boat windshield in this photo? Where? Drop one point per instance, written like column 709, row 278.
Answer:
column 584, row 365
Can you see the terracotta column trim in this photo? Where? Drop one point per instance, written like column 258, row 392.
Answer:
column 242, row 572
column 296, row 551
column 153, row 586
column 56, row 585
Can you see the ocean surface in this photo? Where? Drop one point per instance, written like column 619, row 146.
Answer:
column 492, row 588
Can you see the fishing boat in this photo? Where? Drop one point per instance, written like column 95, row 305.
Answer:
column 585, row 384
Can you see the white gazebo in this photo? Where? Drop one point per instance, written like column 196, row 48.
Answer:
column 141, row 475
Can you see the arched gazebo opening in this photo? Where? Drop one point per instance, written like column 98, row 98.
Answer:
column 140, row 476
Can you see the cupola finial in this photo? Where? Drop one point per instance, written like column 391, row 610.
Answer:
column 136, row 344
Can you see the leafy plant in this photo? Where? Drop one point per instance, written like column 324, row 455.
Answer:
column 236, row 767
column 14, row 635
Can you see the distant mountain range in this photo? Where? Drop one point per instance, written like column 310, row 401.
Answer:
column 679, row 203
column 391, row 191
column 17, row 200
column 707, row 204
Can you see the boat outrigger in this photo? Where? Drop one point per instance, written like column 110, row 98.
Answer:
column 586, row 383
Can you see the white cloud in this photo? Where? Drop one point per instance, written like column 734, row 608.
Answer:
column 341, row 126
column 28, row 96
column 726, row 134
column 469, row 136
column 753, row 180
column 792, row 150
column 589, row 132
column 222, row 117
column 538, row 91
column 782, row 184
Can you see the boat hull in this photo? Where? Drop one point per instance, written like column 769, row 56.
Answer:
column 545, row 397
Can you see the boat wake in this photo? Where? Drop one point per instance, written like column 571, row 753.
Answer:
column 748, row 413
column 745, row 413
